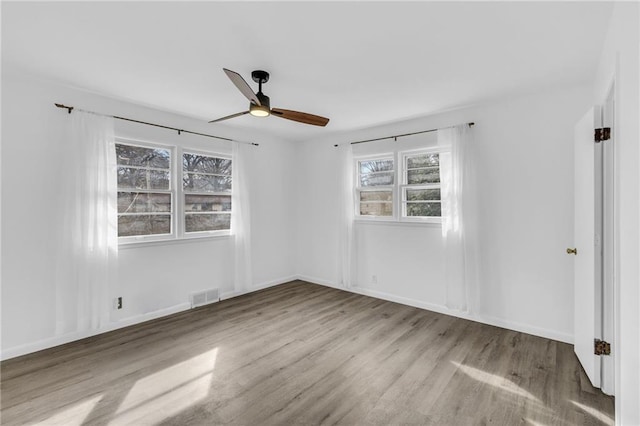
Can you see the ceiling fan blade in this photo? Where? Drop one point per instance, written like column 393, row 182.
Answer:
column 301, row 117
column 229, row 116
column 242, row 85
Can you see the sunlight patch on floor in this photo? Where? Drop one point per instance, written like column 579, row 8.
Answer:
column 593, row 412
column 74, row 415
column 494, row 380
column 167, row 392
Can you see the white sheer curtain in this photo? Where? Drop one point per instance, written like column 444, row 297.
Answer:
column 88, row 246
column 241, row 216
column 459, row 212
column 346, row 214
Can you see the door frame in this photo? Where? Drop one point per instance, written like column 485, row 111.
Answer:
column 609, row 241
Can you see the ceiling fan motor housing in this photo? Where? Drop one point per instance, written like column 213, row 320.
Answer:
column 262, row 110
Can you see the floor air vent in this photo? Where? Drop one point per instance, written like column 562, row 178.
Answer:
column 204, row 297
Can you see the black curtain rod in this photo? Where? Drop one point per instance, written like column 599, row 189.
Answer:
column 180, row 131
column 399, row 136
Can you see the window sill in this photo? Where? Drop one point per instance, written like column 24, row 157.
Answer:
column 397, row 223
column 170, row 241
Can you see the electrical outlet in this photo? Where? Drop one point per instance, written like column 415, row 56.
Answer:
column 117, row 303
column 374, row 279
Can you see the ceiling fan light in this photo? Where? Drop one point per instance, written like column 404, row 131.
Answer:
column 262, row 110
column 259, row 110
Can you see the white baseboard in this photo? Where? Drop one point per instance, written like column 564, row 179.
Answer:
column 525, row 328
column 485, row 319
column 78, row 335
column 315, row 280
column 51, row 342
column 408, row 301
column 256, row 287
column 498, row 322
column 137, row 319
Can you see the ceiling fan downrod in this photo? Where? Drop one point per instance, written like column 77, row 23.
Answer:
column 260, row 77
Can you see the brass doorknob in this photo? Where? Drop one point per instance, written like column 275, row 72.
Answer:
column 572, row 251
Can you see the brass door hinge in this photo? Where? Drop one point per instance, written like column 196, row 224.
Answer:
column 601, row 347
column 602, row 134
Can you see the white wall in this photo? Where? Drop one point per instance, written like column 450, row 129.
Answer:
column 378, row 260
column 524, row 155
column 152, row 279
column 620, row 60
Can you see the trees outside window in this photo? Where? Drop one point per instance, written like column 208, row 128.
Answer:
column 411, row 192
column 154, row 205
column 421, row 185
column 375, row 187
column 145, row 205
column 206, row 183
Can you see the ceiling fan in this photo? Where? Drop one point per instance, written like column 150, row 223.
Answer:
column 259, row 102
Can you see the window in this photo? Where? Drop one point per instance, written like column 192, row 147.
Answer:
column 417, row 185
column 145, row 195
column 375, row 187
column 154, row 205
column 421, row 185
column 206, row 182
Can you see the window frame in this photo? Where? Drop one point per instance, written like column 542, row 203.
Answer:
column 400, row 184
column 178, row 229
column 404, row 184
column 183, row 193
column 172, row 190
column 359, row 189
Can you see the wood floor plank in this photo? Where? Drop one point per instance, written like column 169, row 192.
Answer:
column 301, row 353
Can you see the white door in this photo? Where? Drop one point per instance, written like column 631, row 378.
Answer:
column 586, row 291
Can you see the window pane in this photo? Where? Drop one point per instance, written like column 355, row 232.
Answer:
column 376, row 209
column 377, row 179
column 425, row 160
column 418, row 176
column 423, row 194
column 376, row 196
column 205, row 183
column 424, row 209
column 372, row 166
column 206, row 164
column 207, row 203
column 143, row 225
column 128, row 155
column 142, row 202
column 207, row 222
column 129, row 178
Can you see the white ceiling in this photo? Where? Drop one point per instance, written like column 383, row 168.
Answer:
column 359, row 63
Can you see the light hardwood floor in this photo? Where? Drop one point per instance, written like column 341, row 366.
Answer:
column 301, row 353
